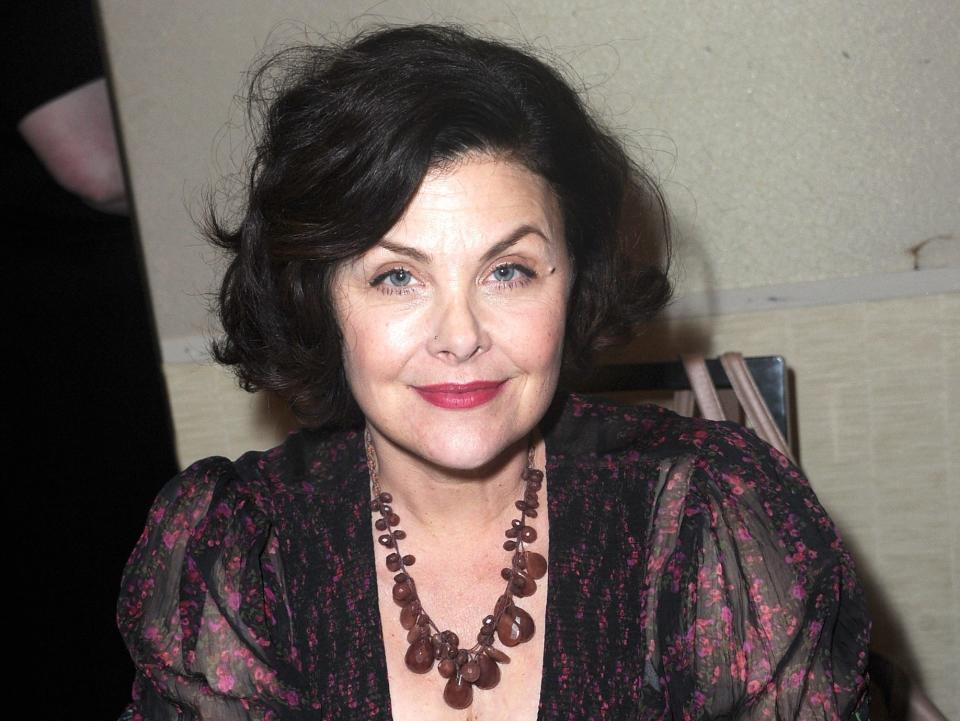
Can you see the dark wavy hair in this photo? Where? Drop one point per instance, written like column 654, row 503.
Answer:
column 346, row 133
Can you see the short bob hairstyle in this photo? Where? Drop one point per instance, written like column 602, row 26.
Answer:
column 346, row 135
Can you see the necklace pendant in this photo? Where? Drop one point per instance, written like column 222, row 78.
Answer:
column 458, row 692
column 515, row 626
column 489, row 672
column 534, row 564
column 419, row 657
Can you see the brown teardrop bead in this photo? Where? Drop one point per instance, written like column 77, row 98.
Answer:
column 532, row 474
column 393, row 519
column 497, row 655
column 374, row 505
column 401, row 577
column 408, row 615
column 511, row 533
column 399, row 535
column 528, row 534
column 447, row 668
column 386, row 497
column 521, row 505
column 419, row 657
column 506, row 574
column 532, row 503
column 489, row 621
column 515, row 627
column 450, row 637
column 458, row 693
column 489, row 672
column 509, row 545
column 403, row 592
column 393, row 562
column 386, row 540
column 535, row 564
column 462, row 658
column 385, row 509
column 532, row 512
column 409, row 560
column 470, row 671
column 380, row 524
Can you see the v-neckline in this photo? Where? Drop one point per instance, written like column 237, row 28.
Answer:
column 549, row 637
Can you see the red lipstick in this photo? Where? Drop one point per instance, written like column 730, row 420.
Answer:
column 460, row 395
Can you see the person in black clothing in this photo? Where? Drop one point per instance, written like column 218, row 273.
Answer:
column 94, row 437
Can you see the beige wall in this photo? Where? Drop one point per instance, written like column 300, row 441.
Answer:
column 796, row 141
column 809, row 152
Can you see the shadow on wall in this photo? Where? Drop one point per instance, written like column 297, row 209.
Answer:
column 273, row 417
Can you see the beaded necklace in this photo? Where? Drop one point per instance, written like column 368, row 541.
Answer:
column 479, row 665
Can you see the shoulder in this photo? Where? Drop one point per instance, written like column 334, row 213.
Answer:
column 665, row 469
column 586, row 424
column 750, row 598
column 699, row 476
column 222, row 513
column 308, row 463
column 699, row 481
column 204, row 606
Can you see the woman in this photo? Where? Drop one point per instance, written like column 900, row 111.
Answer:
column 435, row 229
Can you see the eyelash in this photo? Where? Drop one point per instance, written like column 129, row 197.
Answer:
column 526, row 273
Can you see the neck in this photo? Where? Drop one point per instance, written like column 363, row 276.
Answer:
column 434, row 498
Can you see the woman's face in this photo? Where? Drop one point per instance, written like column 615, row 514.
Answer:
column 453, row 324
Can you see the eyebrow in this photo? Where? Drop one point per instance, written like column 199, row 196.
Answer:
column 494, row 249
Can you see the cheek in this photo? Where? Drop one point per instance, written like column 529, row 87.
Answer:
column 536, row 335
column 374, row 348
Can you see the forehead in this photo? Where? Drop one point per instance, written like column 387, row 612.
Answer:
column 479, row 198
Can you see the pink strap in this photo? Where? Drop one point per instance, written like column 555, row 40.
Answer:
column 699, row 376
column 753, row 404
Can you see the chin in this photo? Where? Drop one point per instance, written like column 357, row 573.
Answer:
column 467, row 452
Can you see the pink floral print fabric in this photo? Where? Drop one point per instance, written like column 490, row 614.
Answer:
column 692, row 575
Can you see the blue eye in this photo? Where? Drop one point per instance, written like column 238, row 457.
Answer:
column 512, row 273
column 400, row 276
column 505, row 272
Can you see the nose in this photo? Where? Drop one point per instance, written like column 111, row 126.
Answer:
column 458, row 331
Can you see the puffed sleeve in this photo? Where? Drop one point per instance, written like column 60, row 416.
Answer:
column 202, row 605
column 752, row 607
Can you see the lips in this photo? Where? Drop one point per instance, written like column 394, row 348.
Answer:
column 460, row 395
